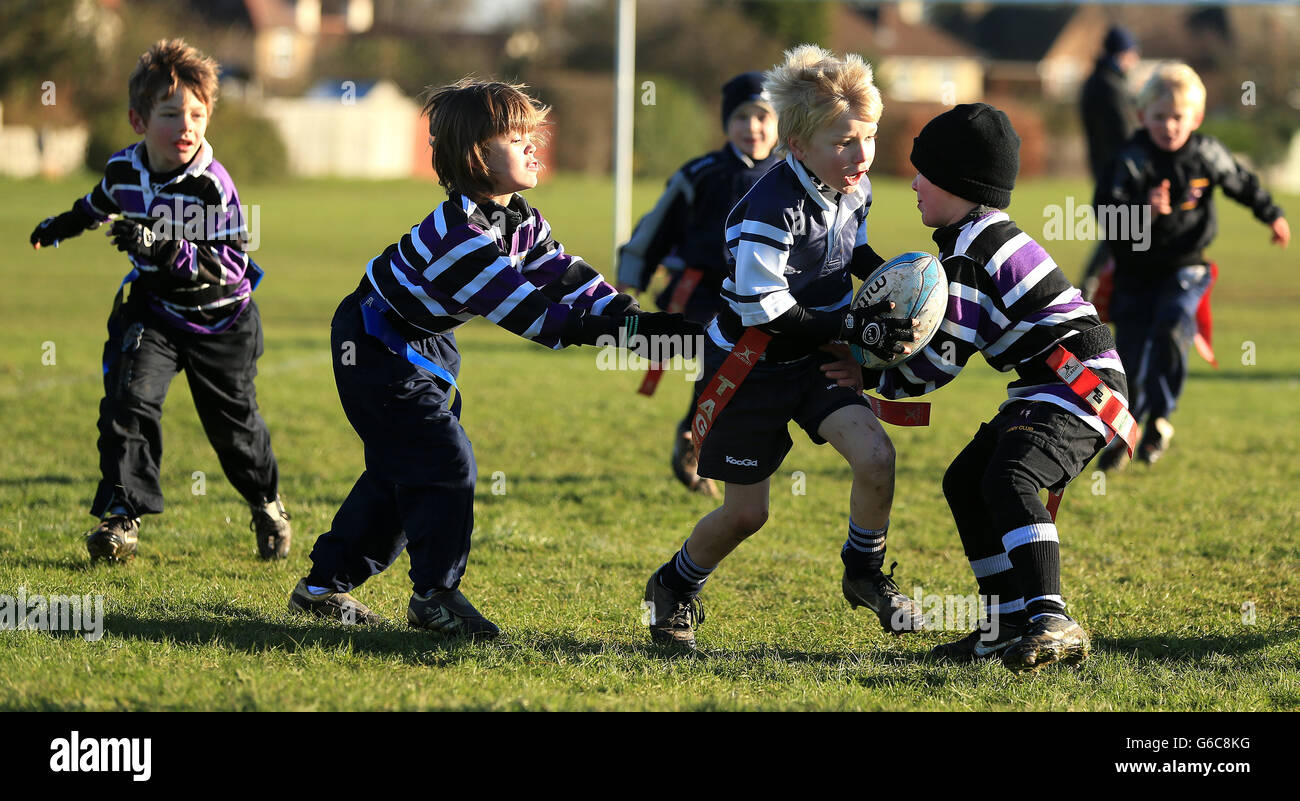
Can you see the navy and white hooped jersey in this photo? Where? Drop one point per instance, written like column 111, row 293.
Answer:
column 1009, row 301
column 458, row 264
column 788, row 242
column 210, row 284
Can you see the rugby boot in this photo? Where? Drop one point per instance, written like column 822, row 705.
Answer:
column 1047, row 640
column 1155, row 440
column 1114, row 458
column 672, row 618
column 271, row 524
column 449, row 612
column 684, row 465
column 338, row 606
column 114, row 539
column 982, row 643
column 877, row 591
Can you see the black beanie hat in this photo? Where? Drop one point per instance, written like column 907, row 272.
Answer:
column 744, row 88
column 972, row 151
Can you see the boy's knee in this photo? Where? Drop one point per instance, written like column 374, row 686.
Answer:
column 130, row 406
column 876, row 456
column 747, row 521
column 1002, row 483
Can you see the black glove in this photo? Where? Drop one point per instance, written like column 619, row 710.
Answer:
column 65, row 226
column 660, row 334
column 664, row 335
column 140, row 241
column 660, row 324
column 870, row 329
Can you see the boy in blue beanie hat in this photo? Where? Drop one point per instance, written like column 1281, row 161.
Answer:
column 685, row 231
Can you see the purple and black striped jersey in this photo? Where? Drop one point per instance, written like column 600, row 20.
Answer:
column 467, row 260
column 1008, row 300
column 209, row 285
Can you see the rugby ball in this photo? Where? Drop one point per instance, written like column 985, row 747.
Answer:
column 918, row 286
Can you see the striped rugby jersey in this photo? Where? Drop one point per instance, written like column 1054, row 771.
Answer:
column 788, row 243
column 1008, row 300
column 209, row 286
column 468, row 259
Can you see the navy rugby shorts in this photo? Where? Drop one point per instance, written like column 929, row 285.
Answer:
column 750, row 437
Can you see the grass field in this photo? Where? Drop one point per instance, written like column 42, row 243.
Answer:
column 1157, row 564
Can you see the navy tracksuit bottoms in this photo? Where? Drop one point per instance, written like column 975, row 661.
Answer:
column 417, row 491
column 1154, row 329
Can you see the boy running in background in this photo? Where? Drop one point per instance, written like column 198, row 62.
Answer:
column 190, row 306
column 1159, row 282
column 792, row 243
column 1010, row 302
column 482, row 252
column 684, row 231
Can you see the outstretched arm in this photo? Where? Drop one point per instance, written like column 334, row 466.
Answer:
column 73, row 222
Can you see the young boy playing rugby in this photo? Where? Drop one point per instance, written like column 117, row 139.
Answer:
column 1159, row 283
column 190, row 306
column 482, row 252
column 792, row 243
column 1010, row 302
column 685, row 231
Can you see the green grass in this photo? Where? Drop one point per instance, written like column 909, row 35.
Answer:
column 1157, row 567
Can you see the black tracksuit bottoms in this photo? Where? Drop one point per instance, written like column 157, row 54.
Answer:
column 141, row 357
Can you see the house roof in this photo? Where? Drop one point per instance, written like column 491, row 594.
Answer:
column 1009, row 32
column 270, row 13
column 880, row 30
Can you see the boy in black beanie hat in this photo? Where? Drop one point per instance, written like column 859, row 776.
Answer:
column 685, row 232
column 1009, row 301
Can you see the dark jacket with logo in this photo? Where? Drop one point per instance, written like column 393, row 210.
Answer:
column 1177, row 239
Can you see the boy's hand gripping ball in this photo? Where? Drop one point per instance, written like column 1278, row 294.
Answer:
column 918, row 287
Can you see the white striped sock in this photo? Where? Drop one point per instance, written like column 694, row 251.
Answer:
column 689, row 570
column 865, row 540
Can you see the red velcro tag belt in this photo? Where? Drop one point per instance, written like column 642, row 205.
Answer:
column 676, row 305
column 900, row 413
column 722, row 387
column 1085, row 383
column 1054, row 502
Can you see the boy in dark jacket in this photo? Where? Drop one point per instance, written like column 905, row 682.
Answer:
column 685, row 231
column 1161, row 275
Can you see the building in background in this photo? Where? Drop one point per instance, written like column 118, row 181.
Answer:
column 915, row 61
column 345, row 128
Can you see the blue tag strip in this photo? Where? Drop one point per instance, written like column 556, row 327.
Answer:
column 377, row 326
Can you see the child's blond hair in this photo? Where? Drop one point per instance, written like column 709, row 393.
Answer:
column 1173, row 80
column 168, row 65
column 464, row 116
column 813, row 87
